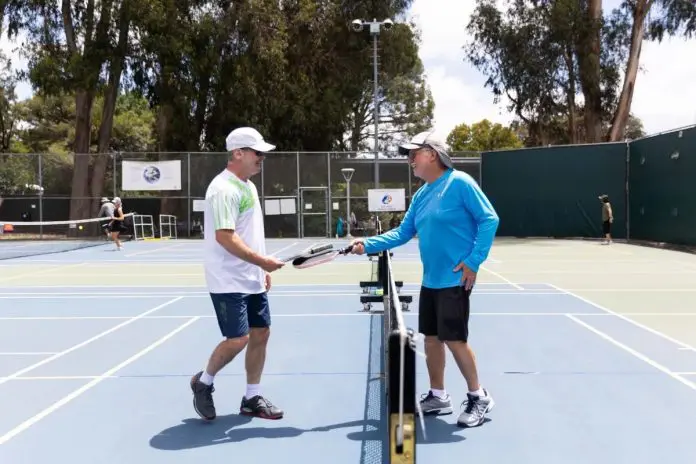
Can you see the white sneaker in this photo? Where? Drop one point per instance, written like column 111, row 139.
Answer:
column 432, row 405
column 475, row 409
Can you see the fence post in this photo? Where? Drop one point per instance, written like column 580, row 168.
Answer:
column 41, row 190
column 188, row 194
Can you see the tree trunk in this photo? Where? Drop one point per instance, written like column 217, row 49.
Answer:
column 588, row 51
column 572, row 115
column 110, row 97
column 79, row 198
column 618, row 125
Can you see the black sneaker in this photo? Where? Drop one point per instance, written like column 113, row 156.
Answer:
column 203, row 398
column 258, row 406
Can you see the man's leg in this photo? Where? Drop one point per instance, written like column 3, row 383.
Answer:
column 437, row 401
column 254, row 403
column 453, row 312
column 231, row 312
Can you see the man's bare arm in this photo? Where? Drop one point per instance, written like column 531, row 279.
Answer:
column 231, row 242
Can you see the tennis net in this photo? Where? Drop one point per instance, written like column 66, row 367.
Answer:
column 25, row 239
column 400, row 363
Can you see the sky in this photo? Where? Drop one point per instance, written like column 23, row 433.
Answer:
column 664, row 97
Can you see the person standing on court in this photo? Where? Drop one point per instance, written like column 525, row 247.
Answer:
column 107, row 211
column 237, row 273
column 456, row 225
column 607, row 219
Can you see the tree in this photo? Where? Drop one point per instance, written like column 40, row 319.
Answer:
column 651, row 19
column 71, row 44
column 482, row 136
column 542, row 55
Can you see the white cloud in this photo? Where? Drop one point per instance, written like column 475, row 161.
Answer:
column 664, row 97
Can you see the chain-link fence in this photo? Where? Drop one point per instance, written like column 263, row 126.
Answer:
column 303, row 194
column 538, row 192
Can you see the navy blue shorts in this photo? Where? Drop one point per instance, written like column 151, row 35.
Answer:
column 237, row 312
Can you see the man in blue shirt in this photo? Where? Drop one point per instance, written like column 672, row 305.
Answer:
column 456, row 226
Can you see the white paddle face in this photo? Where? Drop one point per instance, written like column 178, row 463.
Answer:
column 320, row 258
column 311, row 251
column 316, row 260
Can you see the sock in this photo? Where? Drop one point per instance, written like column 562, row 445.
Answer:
column 478, row 392
column 253, row 390
column 207, row 378
column 439, row 393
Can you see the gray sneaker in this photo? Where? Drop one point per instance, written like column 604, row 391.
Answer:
column 475, row 409
column 432, row 405
column 203, row 398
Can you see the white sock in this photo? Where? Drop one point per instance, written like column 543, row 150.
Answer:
column 207, row 378
column 439, row 393
column 253, row 390
column 478, row 392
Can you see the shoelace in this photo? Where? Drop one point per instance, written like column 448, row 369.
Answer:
column 473, row 402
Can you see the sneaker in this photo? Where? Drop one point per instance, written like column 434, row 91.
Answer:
column 203, row 398
column 258, row 406
column 434, row 405
column 475, row 409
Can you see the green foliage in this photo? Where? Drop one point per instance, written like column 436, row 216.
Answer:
column 482, row 136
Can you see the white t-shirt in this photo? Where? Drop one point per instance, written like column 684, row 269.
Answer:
column 231, row 203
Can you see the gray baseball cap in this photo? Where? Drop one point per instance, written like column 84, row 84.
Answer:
column 427, row 139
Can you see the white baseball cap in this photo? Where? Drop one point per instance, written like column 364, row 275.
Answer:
column 427, row 139
column 247, row 137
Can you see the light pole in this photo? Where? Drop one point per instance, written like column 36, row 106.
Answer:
column 375, row 26
column 347, row 175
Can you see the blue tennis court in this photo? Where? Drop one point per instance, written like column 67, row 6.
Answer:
column 587, row 362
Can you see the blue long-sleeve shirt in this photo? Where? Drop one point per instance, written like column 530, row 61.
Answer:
column 455, row 222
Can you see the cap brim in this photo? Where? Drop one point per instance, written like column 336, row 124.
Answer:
column 406, row 147
column 263, row 147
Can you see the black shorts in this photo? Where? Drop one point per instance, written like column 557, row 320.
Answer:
column 444, row 313
column 606, row 227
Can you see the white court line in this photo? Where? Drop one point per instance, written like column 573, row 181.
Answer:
column 45, row 271
column 355, row 314
column 66, row 399
column 128, row 321
column 284, row 248
column 624, row 318
column 26, row 353
column 518, row 287
column 87, row 296
column 635, row 353
column 154, row 250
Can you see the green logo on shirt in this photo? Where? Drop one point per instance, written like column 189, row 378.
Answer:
column 247, row 200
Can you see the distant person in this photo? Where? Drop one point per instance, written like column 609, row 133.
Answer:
column 106, row 211
column 117, row 224
column 237, row 273
column 607, row 219
column 456, row 226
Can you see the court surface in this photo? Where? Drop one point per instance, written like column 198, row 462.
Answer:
column 588, row 351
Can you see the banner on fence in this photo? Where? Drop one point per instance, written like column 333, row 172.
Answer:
column 386, row 200
column 147, row 175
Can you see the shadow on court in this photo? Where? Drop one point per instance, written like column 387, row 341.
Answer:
column 195, row 433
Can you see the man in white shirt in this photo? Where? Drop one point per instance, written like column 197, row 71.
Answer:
column 237, row 272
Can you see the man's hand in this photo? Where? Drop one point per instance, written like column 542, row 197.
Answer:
column 270, row 264
column 468, row 276
column 358, row 247
column 268, row 281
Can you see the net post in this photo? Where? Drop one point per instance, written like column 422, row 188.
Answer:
column 402, row 411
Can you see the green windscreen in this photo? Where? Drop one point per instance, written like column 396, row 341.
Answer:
column 662, row 188
column 552, row 192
